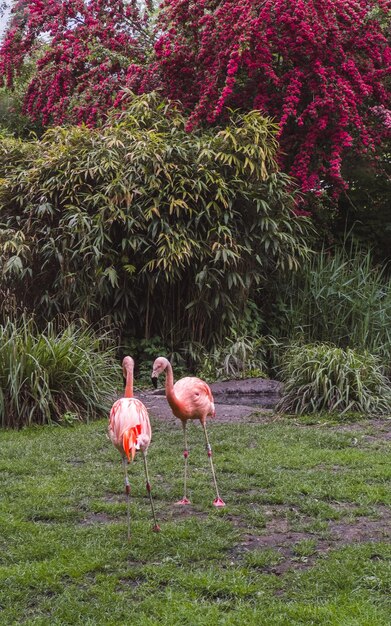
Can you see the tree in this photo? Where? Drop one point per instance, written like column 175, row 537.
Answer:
column 85, row 48
column 319, row 67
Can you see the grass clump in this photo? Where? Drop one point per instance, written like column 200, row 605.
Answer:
column 343, row 298
column 322, row 377
column 263, row 558
column 46, row 375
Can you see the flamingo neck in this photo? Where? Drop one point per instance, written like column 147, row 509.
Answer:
column 129, row 383
column 170, row 393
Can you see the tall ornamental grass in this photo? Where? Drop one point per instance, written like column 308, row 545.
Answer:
column 321, row 377
column 59, row 372
column 342, row 298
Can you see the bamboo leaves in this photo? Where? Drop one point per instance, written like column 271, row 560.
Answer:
column 135, row 212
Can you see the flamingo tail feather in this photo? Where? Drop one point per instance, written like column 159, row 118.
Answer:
column 129, row 440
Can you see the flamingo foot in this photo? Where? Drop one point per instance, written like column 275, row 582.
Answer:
column 218, row 502
column 183, row 501
column 156, row 528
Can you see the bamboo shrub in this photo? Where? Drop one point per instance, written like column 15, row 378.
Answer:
column 165, row 231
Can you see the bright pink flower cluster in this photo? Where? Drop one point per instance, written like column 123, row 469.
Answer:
column 384, row 115
column 319, row 67
column 87, row 47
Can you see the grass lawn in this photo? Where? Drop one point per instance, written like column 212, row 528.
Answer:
column 304, row 538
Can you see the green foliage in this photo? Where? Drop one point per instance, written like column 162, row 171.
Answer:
column 263, row 558
column 165, row 231
column 240, row 356
column 145, row 351
column 340, row 297
column 59, row 375
column 365, row 208
column 12, row 118
column 305, row 548
column 321, row 377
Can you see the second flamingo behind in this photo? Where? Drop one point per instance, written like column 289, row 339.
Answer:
column 190, row 398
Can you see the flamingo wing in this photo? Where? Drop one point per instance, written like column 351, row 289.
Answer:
column 195, row 398
column 127, row 423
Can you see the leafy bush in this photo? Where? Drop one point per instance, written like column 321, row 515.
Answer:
column 240, row 356
column 340, row 297
column 321, row 377
column 145, row 351
column 165, row 231
column 365, row 209
column 48, row 377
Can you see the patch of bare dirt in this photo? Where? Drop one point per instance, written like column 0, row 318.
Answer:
column 329, row 468
column 236, row 401
column 180, row 512
column 76, row 462
column 374, row 427
column 96, row 518
column 363, row 529
column 114, row 498
column 159, row 408
column 227, row 414
column 124, row 583
column 279, row 536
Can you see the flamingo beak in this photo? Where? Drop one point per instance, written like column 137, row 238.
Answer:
column 154, row 381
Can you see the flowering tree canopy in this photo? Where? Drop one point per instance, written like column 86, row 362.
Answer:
column 318, row 67
column 85, row 48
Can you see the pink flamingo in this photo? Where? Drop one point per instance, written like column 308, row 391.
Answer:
column 190, row 398
column 130, row 430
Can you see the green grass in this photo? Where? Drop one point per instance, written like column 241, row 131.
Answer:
column 64, row 558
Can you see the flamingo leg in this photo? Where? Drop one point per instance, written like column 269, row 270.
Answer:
column 185, row 499
column 127, row 491
column 156, row 526
column 218, row 501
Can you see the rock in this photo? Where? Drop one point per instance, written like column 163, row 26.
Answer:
column 247, row 386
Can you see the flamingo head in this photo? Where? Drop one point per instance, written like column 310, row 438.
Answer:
column 127, row 364
column 158, row 367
